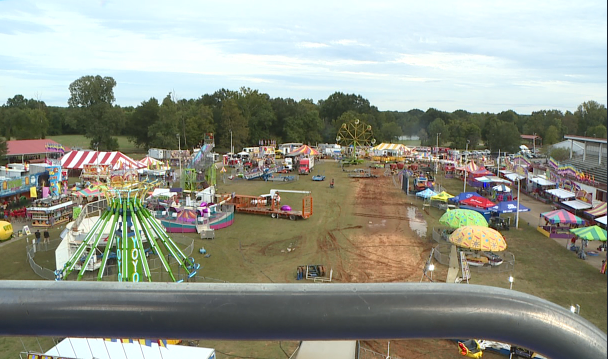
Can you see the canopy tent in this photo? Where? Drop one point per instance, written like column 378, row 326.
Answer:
column 509, row 207
column 118, row 160
column 560, row 193
column 303, row 150
column 490, row 179
column 513, row 177
column 597, row 211
column 464, row 195
column 471, row 167
column 501, row 188
column 391, row 147
column 562, row 216
column 443, row 197
column 479, row 202
column 601, row 220
column 593, row 233
column 480, row 172
column 576, row 204
column 93, row 191
column 427, row 193
column 149, row 162
column 542, row 181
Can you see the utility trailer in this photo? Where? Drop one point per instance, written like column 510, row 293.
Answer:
column 266, row 205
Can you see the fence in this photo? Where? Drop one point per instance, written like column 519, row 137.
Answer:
column 155, row 264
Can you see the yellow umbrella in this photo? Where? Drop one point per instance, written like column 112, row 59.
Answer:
column 478, row 239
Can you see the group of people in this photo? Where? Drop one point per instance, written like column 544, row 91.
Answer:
column 46, row 235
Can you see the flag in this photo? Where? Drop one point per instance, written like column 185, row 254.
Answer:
column 162, row 343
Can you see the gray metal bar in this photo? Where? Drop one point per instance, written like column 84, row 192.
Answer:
column 296, row 312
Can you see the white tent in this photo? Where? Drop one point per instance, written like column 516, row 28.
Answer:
column 601, row 220
column 576, row 204
column 561, row 193
column 105, row 349
column 542, row 181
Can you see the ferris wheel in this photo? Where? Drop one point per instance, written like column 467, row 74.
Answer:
column 355, row 133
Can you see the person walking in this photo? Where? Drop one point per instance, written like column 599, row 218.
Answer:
column 47, row 237
column 37, row 234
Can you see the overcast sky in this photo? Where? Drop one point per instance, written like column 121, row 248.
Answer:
column 473, row 55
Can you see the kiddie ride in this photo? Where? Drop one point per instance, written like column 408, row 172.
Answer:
column 269, row 204
column 128, row 224
column 474, row 348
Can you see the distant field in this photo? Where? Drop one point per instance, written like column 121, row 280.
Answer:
column 125, row 146
column 409, row 142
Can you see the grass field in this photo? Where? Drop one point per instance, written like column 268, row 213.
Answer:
column 253, row 250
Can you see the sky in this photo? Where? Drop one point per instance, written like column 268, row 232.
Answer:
column 479, row 56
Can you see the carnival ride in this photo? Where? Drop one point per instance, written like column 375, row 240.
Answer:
column 352, row 135
column 128, row 225
column 269, row 204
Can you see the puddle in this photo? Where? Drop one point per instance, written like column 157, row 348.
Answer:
column 417, row 222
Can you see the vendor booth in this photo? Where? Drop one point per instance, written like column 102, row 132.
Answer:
column 557, row 224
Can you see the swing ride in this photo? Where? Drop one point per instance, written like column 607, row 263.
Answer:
column 131, row 234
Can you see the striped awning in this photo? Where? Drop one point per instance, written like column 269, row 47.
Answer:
column 118, row 160
column 598, row 211
column 390, row 147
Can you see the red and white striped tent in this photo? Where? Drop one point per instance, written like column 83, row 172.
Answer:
column 149, row 162
column 118, row 160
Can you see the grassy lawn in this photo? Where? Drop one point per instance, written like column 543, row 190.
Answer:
column 254, row 250
column 125, row 146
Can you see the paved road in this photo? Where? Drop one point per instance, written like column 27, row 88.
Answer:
column 532, row 217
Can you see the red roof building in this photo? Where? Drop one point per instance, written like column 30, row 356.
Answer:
column 34, row 147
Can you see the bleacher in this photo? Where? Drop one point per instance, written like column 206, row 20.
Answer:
column 590, row 165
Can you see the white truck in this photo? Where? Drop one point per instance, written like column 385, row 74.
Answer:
column 288, row 163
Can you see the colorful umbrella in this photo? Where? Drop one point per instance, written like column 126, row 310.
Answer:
column 457, row 218
column 443, row 196
column 593, row 233
column 562, row 216
column 478, row 239
column 187, row 215
column 478, row 202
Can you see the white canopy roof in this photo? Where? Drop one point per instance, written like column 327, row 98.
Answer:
column 576, row 204
column 561, row 193
column 514, row 176
column 601, row 220
column 542, row 182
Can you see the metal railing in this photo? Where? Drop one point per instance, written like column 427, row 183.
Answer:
column 297, row 312
column 442, row 255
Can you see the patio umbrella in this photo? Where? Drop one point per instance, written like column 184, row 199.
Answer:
column 593, row 233
column 187, row 215
column 562, row 216
column 457, row 218
column 478, row 238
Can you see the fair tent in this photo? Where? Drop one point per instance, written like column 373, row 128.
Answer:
column 443, row 197
column 601, row 220
column 561, row 193
column 598, row 211
column 576, row 204
column 427, row 193
column 542, row 181
column 513, row 177
column 117, row 160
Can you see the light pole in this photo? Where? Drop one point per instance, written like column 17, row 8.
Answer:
column 231, row 148
column 179, row 148
column 511, row 279
column 437, row 153
column 464, row 188
column 517, row 209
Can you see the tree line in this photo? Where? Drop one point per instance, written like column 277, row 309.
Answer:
column 246, row 116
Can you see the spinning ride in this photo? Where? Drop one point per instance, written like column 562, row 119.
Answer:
column 130, row 226
column 355, row 133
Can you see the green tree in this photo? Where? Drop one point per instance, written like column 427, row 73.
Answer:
column 164, row 132
column 551, row 135
column 506, row 138
column 590, row 114
column 143, row 117
column 437, row 127
column 389, row 132
column 559, row 154
column 235, row 125
column 598, row 131
column 198, row 121
column 91, row 100
column 257, row 110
